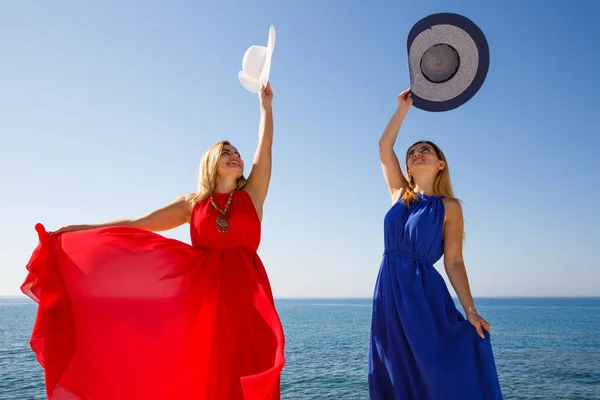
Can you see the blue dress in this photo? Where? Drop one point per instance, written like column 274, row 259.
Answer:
column 421, row 346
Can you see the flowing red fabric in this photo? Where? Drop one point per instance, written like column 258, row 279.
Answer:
column 129, row 314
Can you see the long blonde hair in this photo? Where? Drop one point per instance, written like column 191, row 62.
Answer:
column 442, row 186
column 208, row 172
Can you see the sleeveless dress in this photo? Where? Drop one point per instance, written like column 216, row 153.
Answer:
column 125, row 313
column 421, row 346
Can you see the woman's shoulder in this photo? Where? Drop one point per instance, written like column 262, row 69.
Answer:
column 188, row 198
column 188, row 202
column 452, row 206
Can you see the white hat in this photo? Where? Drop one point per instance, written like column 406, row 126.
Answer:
column 256, row 65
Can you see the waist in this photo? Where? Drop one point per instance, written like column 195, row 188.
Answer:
column 404, row 254
column 230, row 249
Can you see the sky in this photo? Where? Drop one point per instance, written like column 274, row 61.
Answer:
column 107, row 107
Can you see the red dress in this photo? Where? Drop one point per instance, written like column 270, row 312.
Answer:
column 125, row 313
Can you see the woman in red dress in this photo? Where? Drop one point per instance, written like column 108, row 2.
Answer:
column 125, row 313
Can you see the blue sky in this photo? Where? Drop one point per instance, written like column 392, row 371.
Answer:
column 106, row 109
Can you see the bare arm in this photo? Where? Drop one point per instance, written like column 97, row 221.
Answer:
column 453, row 257
column 454, row 262
column 168, row 217
column 392, row 173
column 260, row 177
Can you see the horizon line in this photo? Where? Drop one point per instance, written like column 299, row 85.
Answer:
column 22, row 296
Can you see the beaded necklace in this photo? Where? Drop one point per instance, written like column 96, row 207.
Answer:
column 222, row 218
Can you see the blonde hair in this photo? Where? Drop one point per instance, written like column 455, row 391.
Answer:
column 442, row 185
column 208, row 172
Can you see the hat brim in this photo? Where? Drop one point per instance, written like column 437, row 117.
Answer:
column 467, row 81
column 266, row 71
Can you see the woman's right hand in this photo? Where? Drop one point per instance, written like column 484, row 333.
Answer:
column 70, row 228
column 405, row 101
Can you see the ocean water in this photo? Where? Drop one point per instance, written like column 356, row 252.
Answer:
column 544, row 348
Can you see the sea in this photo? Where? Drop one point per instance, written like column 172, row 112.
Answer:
column 545, row 348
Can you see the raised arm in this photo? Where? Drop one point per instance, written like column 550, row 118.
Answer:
column 260, row 176
column 390, row 165
column 168, row 217
column 455, row 266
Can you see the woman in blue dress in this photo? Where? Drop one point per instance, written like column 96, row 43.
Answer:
column 421, row 346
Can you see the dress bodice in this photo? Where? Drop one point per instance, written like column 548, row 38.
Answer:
column 244, row 225
column 416, row 230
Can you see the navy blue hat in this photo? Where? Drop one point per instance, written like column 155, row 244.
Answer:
column 448, row 58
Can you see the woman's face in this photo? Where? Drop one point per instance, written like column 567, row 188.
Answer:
column 230, row 164
column 422, row 157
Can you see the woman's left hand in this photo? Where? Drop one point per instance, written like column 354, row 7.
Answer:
column 479, row 323
column 266, row 96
